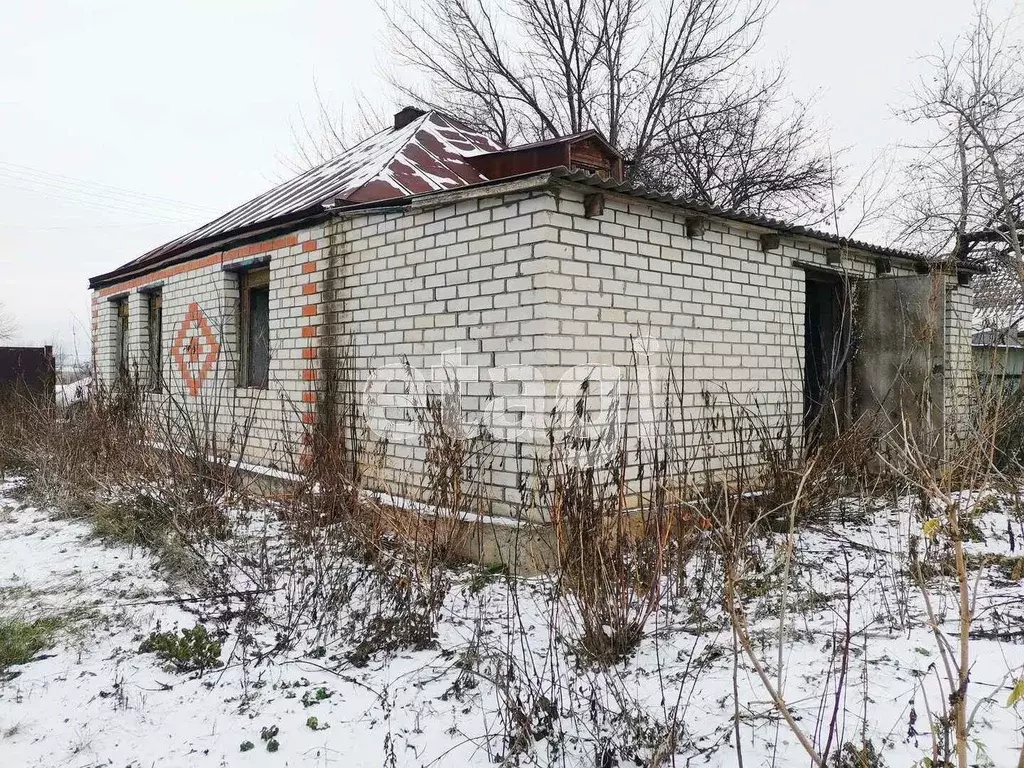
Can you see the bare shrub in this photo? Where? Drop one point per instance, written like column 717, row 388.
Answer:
column 69, row 459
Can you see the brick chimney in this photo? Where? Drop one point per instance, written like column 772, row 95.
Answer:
column 406, row 116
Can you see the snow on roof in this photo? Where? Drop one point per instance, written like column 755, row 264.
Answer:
column 427, row 155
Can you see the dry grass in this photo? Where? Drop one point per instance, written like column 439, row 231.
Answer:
column 629, row 524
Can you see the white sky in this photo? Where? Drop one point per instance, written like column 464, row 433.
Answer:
column 182, row 110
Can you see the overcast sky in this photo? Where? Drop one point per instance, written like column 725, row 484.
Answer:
column 124, row 124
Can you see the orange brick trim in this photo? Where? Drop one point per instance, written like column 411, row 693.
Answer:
column 311, row 351
column 309, row 245
column 214, row 259
column 189, row 347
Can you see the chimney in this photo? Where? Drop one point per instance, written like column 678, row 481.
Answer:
column 406, row 116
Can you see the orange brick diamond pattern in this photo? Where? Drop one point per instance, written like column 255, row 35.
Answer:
column 195, row 349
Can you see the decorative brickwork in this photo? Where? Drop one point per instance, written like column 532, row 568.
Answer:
column 195, row 349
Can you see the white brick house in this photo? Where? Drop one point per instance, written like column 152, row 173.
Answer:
column 428, row 248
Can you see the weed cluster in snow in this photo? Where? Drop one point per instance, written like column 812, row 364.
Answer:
column 494, row 671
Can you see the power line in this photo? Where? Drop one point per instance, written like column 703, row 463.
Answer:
column 124, row 225
column 95, row 187
column 87, row 199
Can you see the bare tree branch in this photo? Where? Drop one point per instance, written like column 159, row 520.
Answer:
column 967, row 186
column 8, row 326
column 665, row 80
column 323, row 136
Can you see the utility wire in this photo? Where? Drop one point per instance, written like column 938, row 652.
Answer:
column 94, row 187
column 86, row 199
column 73, row 227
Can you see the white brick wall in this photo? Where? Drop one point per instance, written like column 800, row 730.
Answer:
column 264, row 425
column 519, row 279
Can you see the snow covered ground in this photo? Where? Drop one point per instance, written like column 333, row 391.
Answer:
column 501, row 683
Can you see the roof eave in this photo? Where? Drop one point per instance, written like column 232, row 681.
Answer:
column 561, row 174
column 239, row 237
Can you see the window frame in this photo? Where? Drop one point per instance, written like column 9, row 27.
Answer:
column 254, row 279
column 122, row 334
column 154, row 334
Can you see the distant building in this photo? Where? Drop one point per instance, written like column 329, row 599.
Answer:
column 27, row 372
column 998, row 314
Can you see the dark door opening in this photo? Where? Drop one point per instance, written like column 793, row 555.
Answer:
column 826, row 356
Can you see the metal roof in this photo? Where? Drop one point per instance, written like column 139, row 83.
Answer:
column 572, row 138
column 998, row 298
column 776, row 225
column 1005, row 338
column 689, row 204
column 427, row 155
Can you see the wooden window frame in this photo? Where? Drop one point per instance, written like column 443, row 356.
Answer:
column 249, row 280
column 122, row 331
column 155, row 332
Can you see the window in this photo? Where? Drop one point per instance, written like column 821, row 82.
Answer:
column 155, row 314
column 255, row 328
column 121, row 338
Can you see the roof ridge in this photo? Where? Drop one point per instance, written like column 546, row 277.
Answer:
column 451, row 124
column 387, row 163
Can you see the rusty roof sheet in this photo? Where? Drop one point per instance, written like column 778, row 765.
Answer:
column 571, row 138
column 427, row 155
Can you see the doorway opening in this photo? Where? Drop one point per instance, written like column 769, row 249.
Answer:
column 827, row 356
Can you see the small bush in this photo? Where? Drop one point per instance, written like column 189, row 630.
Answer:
column 269, row 736
column 194, row 650
column 309, row 698
column 20, row 641
column 142, row 521
column 852, row 756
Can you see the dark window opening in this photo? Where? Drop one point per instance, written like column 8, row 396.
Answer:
column 156, row 327
column 121, row 338
column 255, row 328
column 827, row 354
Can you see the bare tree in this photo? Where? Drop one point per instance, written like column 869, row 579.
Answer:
column 8, row 326
column 322, row 136
column 666, row 81
column 966, row 187
column 745, row 155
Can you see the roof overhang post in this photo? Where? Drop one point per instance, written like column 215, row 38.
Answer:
column 770, row 241
column 695, row 226
column 593, row 205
